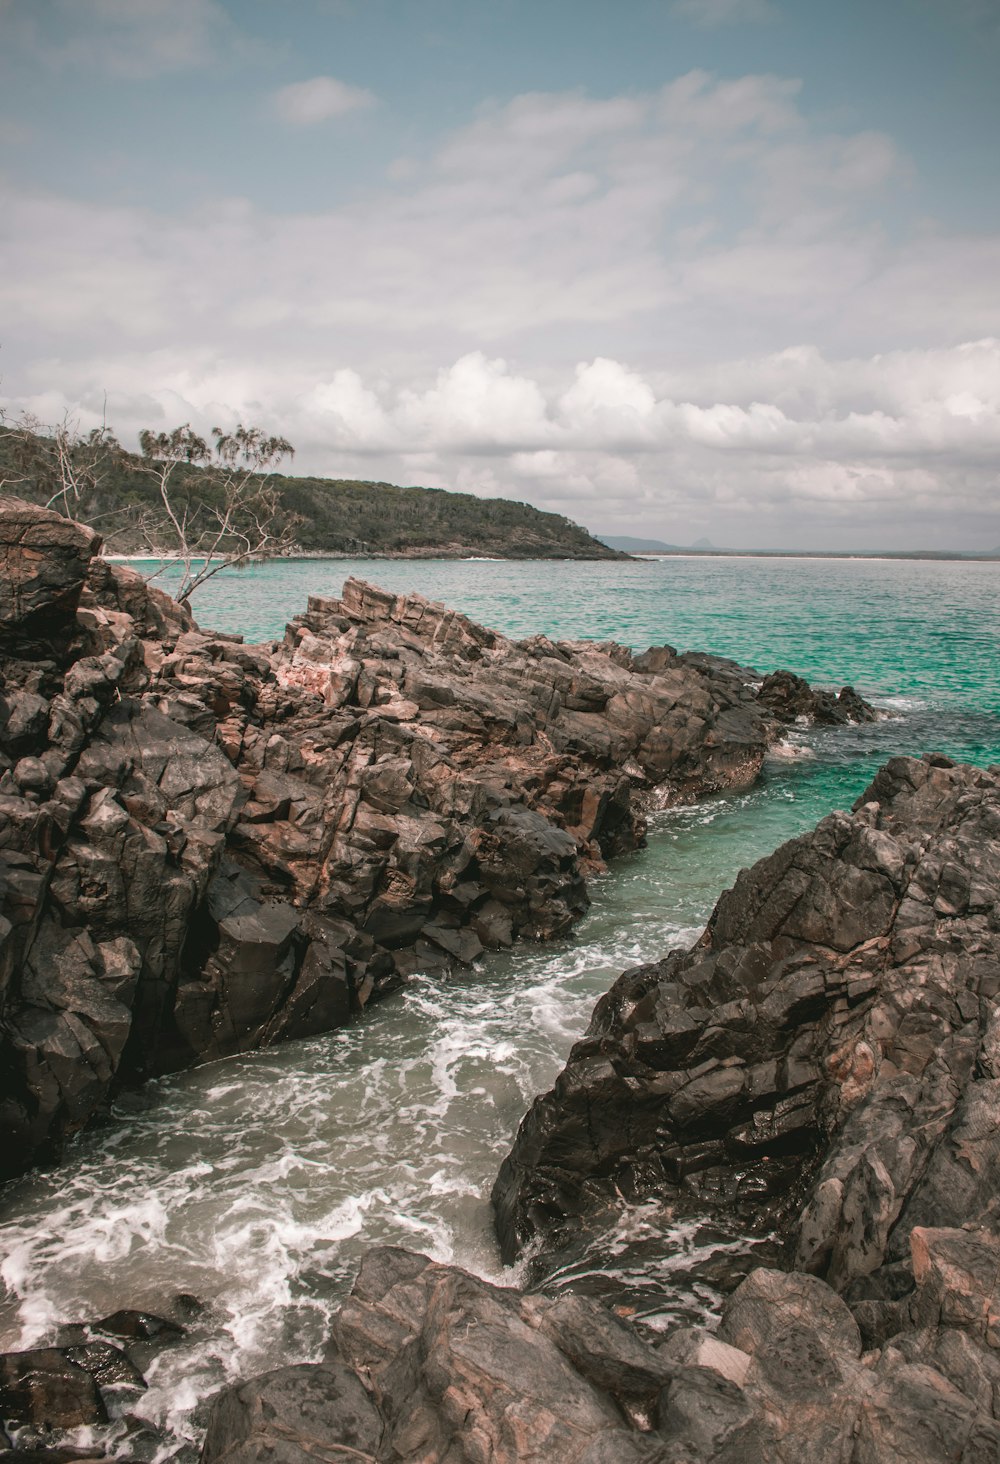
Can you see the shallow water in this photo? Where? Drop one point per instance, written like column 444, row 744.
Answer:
column 254, row 1184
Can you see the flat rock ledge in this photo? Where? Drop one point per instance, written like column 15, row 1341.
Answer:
column 206, row 847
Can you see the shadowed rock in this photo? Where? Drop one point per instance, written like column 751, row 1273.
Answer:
column 823, row 1058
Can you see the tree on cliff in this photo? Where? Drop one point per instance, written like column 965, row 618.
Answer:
column 218, row 505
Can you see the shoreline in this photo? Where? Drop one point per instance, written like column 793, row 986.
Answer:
column 646, row 557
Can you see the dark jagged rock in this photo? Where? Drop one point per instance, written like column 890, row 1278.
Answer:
column 428, row 1363
column 824, row 1058
column 206, row 847
column 791, row 700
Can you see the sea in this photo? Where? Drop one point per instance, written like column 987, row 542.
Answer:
column 240, row 1196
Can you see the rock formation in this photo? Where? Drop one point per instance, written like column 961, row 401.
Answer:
column 827, row 1060
column 825, row 1057
column 426, row 1363
column 206, row 846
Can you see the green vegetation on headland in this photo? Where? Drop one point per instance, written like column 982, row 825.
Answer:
column 344, row 516
column 330, row 516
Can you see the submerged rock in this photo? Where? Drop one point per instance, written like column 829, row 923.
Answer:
column 206, row 847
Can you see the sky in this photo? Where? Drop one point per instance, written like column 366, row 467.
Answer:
column 682, row 269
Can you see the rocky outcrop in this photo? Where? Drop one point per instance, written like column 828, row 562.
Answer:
column 825, row 1058
column 428, row 1363
column 792, row 699
column 207, row 846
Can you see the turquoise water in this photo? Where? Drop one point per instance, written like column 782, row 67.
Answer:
column 256, row 1183
column 921, row 636
column 901, row 626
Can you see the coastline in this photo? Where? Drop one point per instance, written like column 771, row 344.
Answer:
column 889, row 557
column 272, row 827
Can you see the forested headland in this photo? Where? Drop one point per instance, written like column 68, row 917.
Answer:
column 115, row 493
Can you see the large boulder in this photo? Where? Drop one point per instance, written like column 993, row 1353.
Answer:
column 824, row 1059
column 44, row 560
column 428, row 1363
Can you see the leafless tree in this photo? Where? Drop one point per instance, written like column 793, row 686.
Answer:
column 218, row 501
column 64, row 465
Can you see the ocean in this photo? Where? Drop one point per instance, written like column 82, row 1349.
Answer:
column 254, row 1184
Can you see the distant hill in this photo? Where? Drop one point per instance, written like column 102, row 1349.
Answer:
column 342, row 516
column 628, row 545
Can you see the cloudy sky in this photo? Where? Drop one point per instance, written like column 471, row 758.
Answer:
column 677, row 268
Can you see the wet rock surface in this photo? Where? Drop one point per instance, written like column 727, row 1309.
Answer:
column 824, row 1062
column 72, row 1382
column 428, row 1363
column 206, row 847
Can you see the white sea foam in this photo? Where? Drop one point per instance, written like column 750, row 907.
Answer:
column 789, row 751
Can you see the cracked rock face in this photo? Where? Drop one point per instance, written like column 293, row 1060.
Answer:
column 825, row 1059
column 206, row 847
column 427, row 1363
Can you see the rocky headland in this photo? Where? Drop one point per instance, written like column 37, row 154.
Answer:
column 206, row 847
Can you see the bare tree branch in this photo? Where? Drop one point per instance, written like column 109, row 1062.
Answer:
column 221, row 511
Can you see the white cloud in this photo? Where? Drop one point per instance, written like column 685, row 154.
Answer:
column 775, row 445
column 305, row 103
column 712, row 13
column 598, row 304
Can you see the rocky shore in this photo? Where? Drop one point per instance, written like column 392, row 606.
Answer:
column 827, row 1060
column 824, row 1061
column 206, row 847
